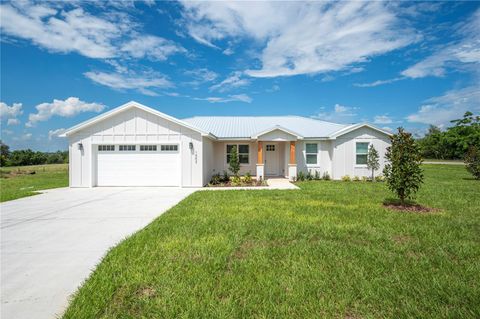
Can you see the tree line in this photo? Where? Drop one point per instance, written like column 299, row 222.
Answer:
column 29, row 157
column 455, row 141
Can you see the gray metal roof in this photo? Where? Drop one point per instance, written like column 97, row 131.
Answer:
column 247, row 126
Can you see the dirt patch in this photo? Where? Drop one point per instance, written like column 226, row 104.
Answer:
column 410, row 208
column 146, row 292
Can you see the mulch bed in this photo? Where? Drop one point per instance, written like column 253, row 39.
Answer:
column 410, row 208
column 229, row 184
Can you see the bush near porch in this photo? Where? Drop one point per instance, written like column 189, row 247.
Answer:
column 329, row 250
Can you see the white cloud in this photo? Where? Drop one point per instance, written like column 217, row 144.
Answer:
column 301, row 37
column 233, row 81
column 377, row 83
column 340, row 113
column 52, row 26
column 22, row 137
column 231, row 98
column 10, row 112
column 13, row 122
column 442, row 109
column 55, row 133
column 382, row 119
column 68, row 108
column 465, row 51
column 201, row 76
column 143, row 83
column 152, row 47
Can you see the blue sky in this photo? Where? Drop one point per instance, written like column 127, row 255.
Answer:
column 407, row 64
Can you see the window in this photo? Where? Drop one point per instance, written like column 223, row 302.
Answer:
column 361, row 153
column 127, row 148
column 103, row 148
column 243, row 152
column 169, row 148
column 270, row 148
column 148, row 147
column 311, row 151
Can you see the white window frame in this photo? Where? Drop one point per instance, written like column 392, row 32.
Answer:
column 238, row 151
column 148, row 148
column 355, row 152
column 127, row 148
column 166, row 148
column 306, row 155
column 106, row 148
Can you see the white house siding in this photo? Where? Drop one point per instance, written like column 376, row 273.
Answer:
column 208, row 160
column 324, row 157
column 344, row 151
column 220, row 158
column 134, row 126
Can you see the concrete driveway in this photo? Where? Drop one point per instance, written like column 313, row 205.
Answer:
column 51, row 242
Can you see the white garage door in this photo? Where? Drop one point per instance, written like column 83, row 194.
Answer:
column 139, row 165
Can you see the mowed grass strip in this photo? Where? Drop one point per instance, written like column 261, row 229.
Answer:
column 327, row 250
column 17, row 182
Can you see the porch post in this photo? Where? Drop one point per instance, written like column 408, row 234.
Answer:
column 260, row 165
column 292, row 163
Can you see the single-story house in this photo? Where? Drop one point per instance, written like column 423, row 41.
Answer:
column 135, row 145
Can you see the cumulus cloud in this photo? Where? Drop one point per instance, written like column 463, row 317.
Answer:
column 10, row 112
column 231, row 98
column 233, row 81
column 68, row 108
column 143, row 83
column 442, row 109
column 58, row 28
column 382, row 119
column 13, row 121
column 55, row 133
column 340, row 113
column 464, row 51
column 301, row 37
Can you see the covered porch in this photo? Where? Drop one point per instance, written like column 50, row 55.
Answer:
column 276, row 153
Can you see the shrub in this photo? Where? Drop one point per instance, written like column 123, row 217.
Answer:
column 356, row 179
column 234, row 163
column 472, row 161
column 216, row 179
column 236, row 181
column 247, row 178
column 346, row 178
column 403, row 172
column 379, row 178
column 309, row 176
column 225, row 178
column 364, row 179
column 326, row 176
column 372, row 160
column 300, row 176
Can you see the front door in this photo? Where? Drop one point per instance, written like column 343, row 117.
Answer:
column 271, row 159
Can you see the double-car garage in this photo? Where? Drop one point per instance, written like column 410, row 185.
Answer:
column 137, row 165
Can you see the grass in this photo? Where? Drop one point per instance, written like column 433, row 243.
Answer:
column 328, row 250
column 16, row 182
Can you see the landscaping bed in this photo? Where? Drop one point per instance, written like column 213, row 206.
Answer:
column 225, row 180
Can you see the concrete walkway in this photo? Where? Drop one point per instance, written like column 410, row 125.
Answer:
column 51, row 242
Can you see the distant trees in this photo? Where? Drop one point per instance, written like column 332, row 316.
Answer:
column 29, row 157
column 403, row 173
column 454, row 142
column 472, row 161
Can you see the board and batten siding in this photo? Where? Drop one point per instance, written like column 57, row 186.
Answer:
column 344, row 152
column 134, row 126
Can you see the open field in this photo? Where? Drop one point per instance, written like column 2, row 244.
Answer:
column 17, row 182
column 327, row 250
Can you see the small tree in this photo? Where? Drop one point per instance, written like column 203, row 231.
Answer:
column 402, row 171
column 234, row 164
column 373, row 160
column 4, row 153
column 472, row 161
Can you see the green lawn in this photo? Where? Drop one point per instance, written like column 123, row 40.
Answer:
column 15, row 182
column 327, row 250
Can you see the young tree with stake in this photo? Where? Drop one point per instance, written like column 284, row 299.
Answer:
column 234, row 163
column 373, row 162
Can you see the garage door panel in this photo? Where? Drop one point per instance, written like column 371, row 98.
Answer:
column 138, row 169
